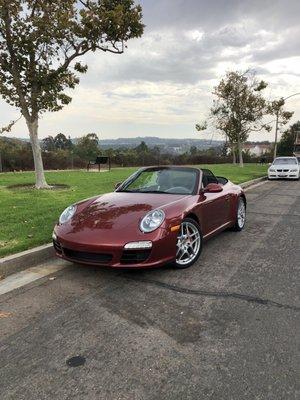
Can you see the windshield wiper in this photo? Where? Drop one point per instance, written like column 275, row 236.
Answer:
column 143, row 191
column 152, row 191
column 128, row 191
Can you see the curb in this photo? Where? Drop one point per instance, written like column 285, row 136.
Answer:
column 29, row 258
column 247, row 184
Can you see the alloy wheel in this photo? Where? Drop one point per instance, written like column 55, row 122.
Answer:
column 241, row 215
column 188, row 243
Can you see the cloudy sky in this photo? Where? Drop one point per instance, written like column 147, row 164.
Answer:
column 162, row 85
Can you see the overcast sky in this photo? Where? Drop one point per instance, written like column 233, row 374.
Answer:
column 162, row 85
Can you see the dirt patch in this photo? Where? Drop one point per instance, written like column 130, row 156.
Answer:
column 26, row 186
column 7, row 243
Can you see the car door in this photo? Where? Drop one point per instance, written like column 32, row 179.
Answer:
column 215, row 206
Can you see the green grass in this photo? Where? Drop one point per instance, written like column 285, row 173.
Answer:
column 27, row 216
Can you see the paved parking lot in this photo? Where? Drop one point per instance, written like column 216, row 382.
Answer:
column 227, row 328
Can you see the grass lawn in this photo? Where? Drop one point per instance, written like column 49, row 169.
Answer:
column 27, row 216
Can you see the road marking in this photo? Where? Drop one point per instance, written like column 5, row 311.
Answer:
column 32, row 274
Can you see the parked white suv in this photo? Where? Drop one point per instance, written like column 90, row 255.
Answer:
column 284, row 167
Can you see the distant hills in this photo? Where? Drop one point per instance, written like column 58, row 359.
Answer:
column 165, row 144
column 175, row 146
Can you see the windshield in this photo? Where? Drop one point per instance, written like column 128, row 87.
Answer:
column 285, row 161
column 162, row 180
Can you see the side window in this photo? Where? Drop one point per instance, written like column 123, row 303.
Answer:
column 208, row 177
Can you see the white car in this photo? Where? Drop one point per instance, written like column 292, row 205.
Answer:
column 284, row 168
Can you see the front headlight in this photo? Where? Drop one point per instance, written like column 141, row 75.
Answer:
column 272, row 170
column 67, row 214
column 294, row 170
column 152, row 221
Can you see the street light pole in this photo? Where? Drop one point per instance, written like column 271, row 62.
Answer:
column 277, row 122
column 276, row 134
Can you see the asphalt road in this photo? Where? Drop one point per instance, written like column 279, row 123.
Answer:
column 227, row 328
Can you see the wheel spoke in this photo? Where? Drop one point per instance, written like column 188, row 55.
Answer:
column 183, row 253
column 194, row 234
column 178, row 251
column 195, row 240
column 191, row 250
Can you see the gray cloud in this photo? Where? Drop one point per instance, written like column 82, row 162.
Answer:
column 271, row 14
column 177, row 56
column 165, row 78
column 287, row 46
column 229, row 31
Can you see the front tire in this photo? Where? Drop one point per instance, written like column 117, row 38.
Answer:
column 240, row 215
column 189, row 244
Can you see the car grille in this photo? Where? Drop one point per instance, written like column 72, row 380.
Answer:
column 282, row 170
column 57, row 247
column 75, row 255
column 128, row 256
column 134, row 256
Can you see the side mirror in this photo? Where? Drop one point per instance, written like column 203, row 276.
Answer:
column 213, row 188
column 117, row 185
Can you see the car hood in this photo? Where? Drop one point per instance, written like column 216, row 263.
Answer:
column 118, row 210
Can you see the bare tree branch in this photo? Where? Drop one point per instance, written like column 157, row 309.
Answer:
column 8, row 128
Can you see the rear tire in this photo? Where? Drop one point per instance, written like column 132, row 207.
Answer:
column 240, row 215
column 189, row 244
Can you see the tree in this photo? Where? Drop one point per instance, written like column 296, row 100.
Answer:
column 156, row 154
column 224, row 149
column 282, row 117
column 48, row 143
column 142, row 148
column 142, row 151
column 193, row 151
column 287, row 141
column 87, row 147
column 40, row 43
column 62, row 143
column 239, row 108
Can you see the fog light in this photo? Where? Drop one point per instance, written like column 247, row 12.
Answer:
column 54, row 237
column 139, row 245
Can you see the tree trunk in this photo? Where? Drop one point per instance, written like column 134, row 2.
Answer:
column 233, row 153
column 40, row 180
column 240, row 151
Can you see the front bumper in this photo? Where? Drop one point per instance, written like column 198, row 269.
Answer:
column 163, row 251
column 283, row 175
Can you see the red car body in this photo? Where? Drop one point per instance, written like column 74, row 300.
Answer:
column 103, row 225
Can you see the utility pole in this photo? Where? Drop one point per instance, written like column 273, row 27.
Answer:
column 277, row 122
column 1, row 168
column 276, row 133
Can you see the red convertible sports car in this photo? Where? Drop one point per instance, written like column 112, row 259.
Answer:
column 159, row 215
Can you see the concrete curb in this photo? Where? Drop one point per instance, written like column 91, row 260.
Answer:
column 26, row 259
column 247, row 184
column 30, row 258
